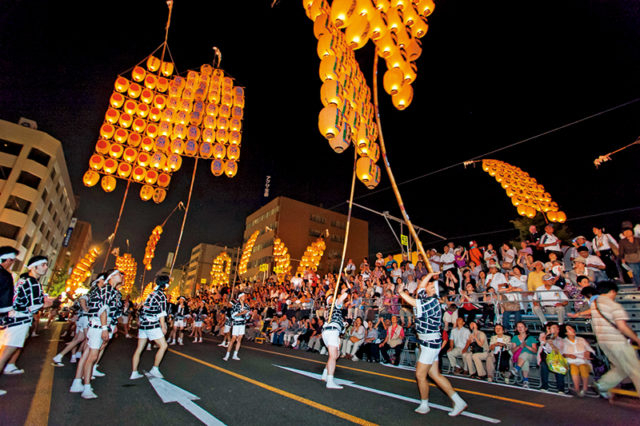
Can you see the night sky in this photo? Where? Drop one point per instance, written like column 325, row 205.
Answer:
column 491, row 74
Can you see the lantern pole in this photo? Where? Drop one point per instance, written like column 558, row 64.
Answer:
column 166, row 31
column 383, row 150
column 184, row 218
column 115, row 230
column 346, row 235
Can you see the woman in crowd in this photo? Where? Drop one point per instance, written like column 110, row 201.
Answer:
column 470, row 304
column 577, row 351
column 524, row 348
column 606, row 247
column 352, row 343
column 394, row 340
column 630, row 252
column 475, row 351
column 499, row 346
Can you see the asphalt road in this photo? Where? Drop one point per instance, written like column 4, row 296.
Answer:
column 257, row 389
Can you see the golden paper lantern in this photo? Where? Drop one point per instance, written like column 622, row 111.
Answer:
column 368, row 172
column 217, row 167
column 230, row 168
column 96, row 162
column 146, row 192
column 393, row 81
column 90, row 178
column 124, row 170
column 164, row 180
column 110, row 166
column 108, row 183
column 112, row 116
column 102, row 147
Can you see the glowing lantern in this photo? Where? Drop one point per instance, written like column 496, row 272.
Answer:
column 221, row 135
column 368, row 172
column 110, row 165
column 112, row 116
column 329, row 68
column 561, row 217
column 116, row 100
column 134, row 90
column 235, row 137
column 393, row 81
column 167, row 69
column 143, row 159
column 121, row 85
column 341, row 141
column 159, row 195
column 102, row 147
column 403, row 99
column 146, row 96
column 115, row 150
column 124, row 170
column 134, row 139
column 121, row 135
column 331, row 93
column 357, row 33
column 217, row 167
column 218, row 151
column 159, row 101
column 158, row 160
column 138, row 173
column 150, row 81
column 174, row 162
column 191, row 148
column 208, row 135
column 146, row 192
column 151, row 177
column 90, row 178
column 342, row 12
column 164, row 180
column 425, row 7
column 96, row 162
column 230, row 168
column 108, row 183
column 152, row 131
column 129, row 155
column 222, row 122
column 177, row 146
column 233, row 152
column 139, row 125
column 107, row 131
column 154, row 114
column 329, row 121
column 162, row 143
column 153, row 63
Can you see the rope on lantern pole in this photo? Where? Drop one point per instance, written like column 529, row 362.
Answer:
column 607, row 157
column 392, row 179
column 346, row 235
column 166, row 30
column 112, row 237
column 184, row 218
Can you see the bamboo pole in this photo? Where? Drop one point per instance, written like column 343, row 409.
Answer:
column 184, row 218
column 392, row 179
column 115, row 230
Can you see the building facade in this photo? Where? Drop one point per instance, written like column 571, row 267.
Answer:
column 75, row 245
column 299, row 224
column 198, row 273
column 36, row 196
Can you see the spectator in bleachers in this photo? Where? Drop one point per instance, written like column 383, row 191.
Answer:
column 481, row 280
column 510, row 304
column 549, row 242
column 490, row 299
column 434, row 260
column 351, row 344
column 549, row 299
column 609, row 321
column 457, row 342
column 490, row 254
column 450, row 315
column 524, row 349
column 475, row 351
column 475, row 254
column 630, row 252
column 577, row 351
column 447, row 260
column 524, row 251
column 370, row 348
column 550, row 341
column 574, row 293
column 495, row 278
column 393, row 341
column 579, row 269
column 508, row 255
column 469, row 304
column 315, row 340
column 605, row 247
column 499, row 346
column 594, row 263
column 420, row 270
column 450, row 280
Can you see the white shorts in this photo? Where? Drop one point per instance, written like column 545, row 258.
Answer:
column 238, row 330
column 331, row 338
column 14, row 336
column 226, row 329
column 178, row 323
column 428, row 355
column 197, row 323
column 81, row 324
column 153, row 334
column 94, row 338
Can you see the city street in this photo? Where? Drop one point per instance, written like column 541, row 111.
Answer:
column 270, row 385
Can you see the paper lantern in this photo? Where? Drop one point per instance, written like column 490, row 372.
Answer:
column 116, row 100
column 146, row 96
column 138, row 173
column 108, row 183
column 561, row 217
column 102, row 147
column 158, row 160
column 124, row 170
column 90, row 178
column 164, row 180
column 329, row 121
column 221, row 136
column 112, row 116
column 235, row 137
column 159, row 101
column 402, row 99
column 222, row 122
column 96, row 162
column 378, row 28
column 230, row 168
column 121, row 85
column 177, row 146
column 154, row 114
column 152, row 131
column 167, row 69
column 233, row 152
column 342, row 140
column 115, row 150
column 191, row 148
column 357, row 33
column 425, row 7
column 368, row 172
column 342, row 12
column 121, row 135
column 162, row 144
column 134, row 139
column 134, row 90
column 129, row 155
column 209, row 135
column 159, row 195
column 130, row 107
column 174, row 162
column 143, row 159
column 107, row 131
column 329, row 68
column 331, row 93
column 146, row 192
column 211, row 110
column 138, row 74
column 151, row 177
column 218, row 151
column 110, row 166
column 217, row 167
column 393, row 81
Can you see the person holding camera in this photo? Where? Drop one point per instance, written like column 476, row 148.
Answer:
column 475, row 351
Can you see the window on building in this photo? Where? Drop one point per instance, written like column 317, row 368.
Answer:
column 50, row 208
column 36, row 217
column 318, row 219
column 42, row 228
column 5, row 172
column 338, row 224
column 48, row 236
column 45, row 195
column 9, row 231
column 337, row 238
column 315, row 233
column 29, row 179
column 18, row 204
column 26, row 241
column 10, row 147
column 39, row 156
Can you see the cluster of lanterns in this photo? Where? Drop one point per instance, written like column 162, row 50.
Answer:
column 221, row 269
column 128, row 266
column 246, row 253
column 82, row 270
column 281, row 257
column 312, row 255
column 150, row 250
column 146, row 292
column 154, row 119
column 174, row 294
column 526, row 194
column 348, row 114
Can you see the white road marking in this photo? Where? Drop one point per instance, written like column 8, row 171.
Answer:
column 168, row 392
column 389, row 394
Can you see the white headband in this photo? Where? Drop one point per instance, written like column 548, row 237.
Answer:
column 112, row 274
column 37, row 263
column 7, row 257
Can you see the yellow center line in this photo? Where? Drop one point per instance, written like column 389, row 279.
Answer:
column 281, row 392
column 41, row 402
column 373, row 373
